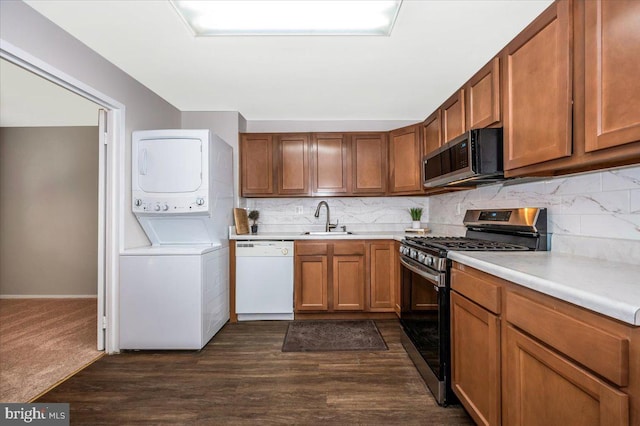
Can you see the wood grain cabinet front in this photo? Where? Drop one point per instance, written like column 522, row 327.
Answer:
column 453, row 116
column 369, row 163
column 483, row 101
column 475, row 359
column 545, row 388
column 382, row 276
column 330, row 164
column 538, row 90
column 405, row 160
column 612, row 73
column 475, row 343
column 520, row 357
column 329, row 276
column 256, row 165
column 293, row 164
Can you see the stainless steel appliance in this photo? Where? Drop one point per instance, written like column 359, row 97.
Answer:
column 425, row 275
column 472, row 158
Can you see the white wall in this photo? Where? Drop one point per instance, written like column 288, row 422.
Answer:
column 49, row 210
column 26, row 29
column 227, row 125
column 282, row 126
column 595, row 214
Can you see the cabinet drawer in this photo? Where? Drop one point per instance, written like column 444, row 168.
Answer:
column 311, row 249
column 605, row 353
column 341, row 249
column 483, row 292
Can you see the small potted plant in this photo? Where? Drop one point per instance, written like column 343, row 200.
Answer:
column 416, row 215
column 254, row 215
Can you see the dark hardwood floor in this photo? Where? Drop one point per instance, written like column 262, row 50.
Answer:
column 242, row 377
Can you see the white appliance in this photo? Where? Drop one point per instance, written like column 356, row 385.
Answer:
column 264, row 280
column 174, row 294
column 182, row 186
column 173, row 297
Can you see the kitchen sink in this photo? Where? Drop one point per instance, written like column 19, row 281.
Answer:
column 327, row 233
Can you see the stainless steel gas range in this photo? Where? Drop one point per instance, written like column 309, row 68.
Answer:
column 425, row 275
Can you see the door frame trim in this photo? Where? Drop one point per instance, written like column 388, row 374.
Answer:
column 115, row 160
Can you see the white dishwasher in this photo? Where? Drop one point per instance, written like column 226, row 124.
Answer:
column 264, row 280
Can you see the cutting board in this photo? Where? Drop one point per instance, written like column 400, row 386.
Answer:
column 241, row 220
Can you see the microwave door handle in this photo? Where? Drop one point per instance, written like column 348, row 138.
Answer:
column 424, row 274
column 142, row 163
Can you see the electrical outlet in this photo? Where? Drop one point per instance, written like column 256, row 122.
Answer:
column 299, row 210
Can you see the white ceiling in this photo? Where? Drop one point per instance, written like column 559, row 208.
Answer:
column 434, row 48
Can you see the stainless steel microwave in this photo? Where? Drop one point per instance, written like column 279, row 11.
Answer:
column 473, row 158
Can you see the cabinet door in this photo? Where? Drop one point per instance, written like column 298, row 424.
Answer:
column 405, row 160
column 537, row 90
column 348, row 283
column 453, row 116
column 544, row 388
column 369, row 159
column 330, row 164
column 432, row 133
column 397, row 283
column 612, row 74
column 293, row 164
column 483, row 96
column 311, row 283
column 382, row 274
column 475, row 359
column 256, row 164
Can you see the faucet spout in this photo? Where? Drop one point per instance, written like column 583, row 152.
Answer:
column 317, row 214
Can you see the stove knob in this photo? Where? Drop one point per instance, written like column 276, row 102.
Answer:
column 421, row 257
column 413, row 254
column 200, row 201
column 138, row 202
column 165, row 207
column 157, row 207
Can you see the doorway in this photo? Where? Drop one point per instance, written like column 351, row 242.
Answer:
column 111, row 141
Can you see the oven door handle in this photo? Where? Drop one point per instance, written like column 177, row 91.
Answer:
column 424, row 274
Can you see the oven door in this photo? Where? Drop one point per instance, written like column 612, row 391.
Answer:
column 425, row 322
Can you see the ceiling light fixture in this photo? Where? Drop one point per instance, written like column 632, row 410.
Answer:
column 307, row 17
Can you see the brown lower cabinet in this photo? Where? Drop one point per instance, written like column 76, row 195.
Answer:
column 355, row 276
column 520, row 357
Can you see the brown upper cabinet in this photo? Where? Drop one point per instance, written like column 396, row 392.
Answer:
column 612, row 73
column 404, row 160
column 453, row 116
column 483, row 103
column 603, row 130
column 256, row 164
column 432, row 132
column 369, row 163
column 293, row 164
column 314, row 164
column 330, row 164
column 538, row 90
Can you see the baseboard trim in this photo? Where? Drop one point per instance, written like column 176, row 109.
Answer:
column 48, row 296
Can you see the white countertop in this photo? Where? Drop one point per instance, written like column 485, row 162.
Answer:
column 376, row 235
column 609, row 288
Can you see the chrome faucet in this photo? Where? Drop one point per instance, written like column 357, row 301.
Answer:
column 327, row 226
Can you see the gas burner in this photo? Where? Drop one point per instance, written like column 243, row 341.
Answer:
column 464, row 244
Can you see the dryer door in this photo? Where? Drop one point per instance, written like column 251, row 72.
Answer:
column 169, row 165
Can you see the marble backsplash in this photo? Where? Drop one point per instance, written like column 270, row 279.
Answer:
column 356, row 213
column 594, row 214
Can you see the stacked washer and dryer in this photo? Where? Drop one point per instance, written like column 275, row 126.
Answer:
column 174, row 294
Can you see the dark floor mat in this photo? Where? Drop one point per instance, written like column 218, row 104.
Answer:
column 327, row 336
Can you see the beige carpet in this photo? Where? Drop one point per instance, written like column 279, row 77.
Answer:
column 43, row 341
